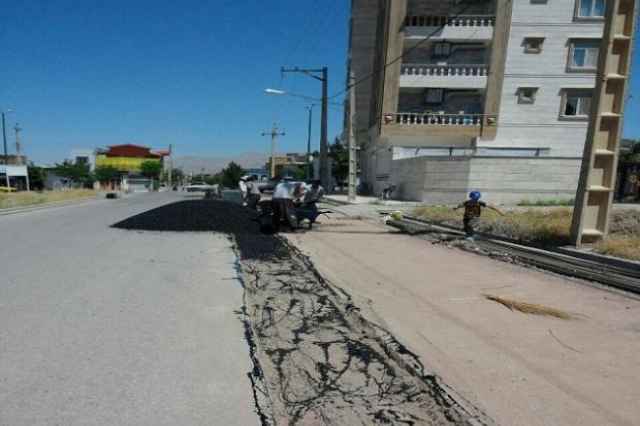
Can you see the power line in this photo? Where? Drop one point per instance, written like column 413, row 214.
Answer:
column 398, row 58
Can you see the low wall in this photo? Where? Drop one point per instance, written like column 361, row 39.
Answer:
column 502, row 180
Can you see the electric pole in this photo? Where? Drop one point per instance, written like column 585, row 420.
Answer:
column 170, row 171
column 353, row 164
column 17, row 129
column 4, row 140
column 310, row 109
column 321, row 74
column 274, row 133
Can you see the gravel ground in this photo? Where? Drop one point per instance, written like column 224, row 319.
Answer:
column 317, row 359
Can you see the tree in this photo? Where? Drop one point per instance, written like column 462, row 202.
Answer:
column 633, row 153
column 151, row 169
column 37, row 177
column 106, row 174
column 339, row 153
column 79, row 173
column 231, row 175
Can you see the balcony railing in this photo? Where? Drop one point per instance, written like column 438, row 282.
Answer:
column 478, row 70
column 451, row 21
column 437, row 119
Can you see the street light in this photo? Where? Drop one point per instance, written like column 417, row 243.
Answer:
column 274, row 92
column 309, row 108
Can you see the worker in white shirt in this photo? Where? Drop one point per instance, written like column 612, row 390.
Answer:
column 242, row 185
column 253, row 192
column 282, row 203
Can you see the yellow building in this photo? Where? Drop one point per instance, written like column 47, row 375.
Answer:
column 127, row 158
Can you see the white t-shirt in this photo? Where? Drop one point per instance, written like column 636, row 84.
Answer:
column 243, row 186
column 284, row 190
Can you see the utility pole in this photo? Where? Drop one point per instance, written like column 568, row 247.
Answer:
column 170, row 172
column 321, row 74
column 17, row 129
column 353, row 160
column 4, row 140
column 274, row 133
column 310, row 109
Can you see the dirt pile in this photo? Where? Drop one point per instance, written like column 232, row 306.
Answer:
column 317, row 359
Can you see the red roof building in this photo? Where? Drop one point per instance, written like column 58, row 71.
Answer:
column 132, row 151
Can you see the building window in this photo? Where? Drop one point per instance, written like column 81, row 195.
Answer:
column 583, row 55
column 527, row 95
column 441, row 49
column 533, row 44
column 590, row 8
column 434, row 96
column 576, row 104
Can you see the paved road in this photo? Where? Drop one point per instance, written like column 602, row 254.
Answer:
column 102, row 326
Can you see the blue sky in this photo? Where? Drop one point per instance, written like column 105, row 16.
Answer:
column 190, row 73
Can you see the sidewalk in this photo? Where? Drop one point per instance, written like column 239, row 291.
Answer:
column 521, row 369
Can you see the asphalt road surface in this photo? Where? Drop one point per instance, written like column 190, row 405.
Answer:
column 104, row 326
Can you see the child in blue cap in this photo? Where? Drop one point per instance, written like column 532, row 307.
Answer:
column 472, row 211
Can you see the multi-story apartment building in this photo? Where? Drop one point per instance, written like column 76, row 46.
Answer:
column 492, row 95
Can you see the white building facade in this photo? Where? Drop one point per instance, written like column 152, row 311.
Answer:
column 488, row 95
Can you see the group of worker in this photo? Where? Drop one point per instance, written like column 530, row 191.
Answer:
column 290, row 200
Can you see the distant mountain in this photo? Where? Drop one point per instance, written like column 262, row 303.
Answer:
column 211, row 165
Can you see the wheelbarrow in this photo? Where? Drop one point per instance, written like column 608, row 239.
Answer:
column 309, row 213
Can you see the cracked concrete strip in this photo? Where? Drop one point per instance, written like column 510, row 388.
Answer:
column 324, row 363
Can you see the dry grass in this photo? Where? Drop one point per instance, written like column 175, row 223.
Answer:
column 625, row 247
column 530, row 308
column 547, row 227
column 20, row 199
column 538, row 226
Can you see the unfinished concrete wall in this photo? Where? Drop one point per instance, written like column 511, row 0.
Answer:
column 502, row 180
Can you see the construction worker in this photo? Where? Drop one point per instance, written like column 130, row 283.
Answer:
column 253, row 192
column 242, row 186
column 285, row 193
column 314, row 193
column 472, row 211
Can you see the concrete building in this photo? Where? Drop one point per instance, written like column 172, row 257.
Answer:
column 491, row 95
column 127, row 159
column 84, row 156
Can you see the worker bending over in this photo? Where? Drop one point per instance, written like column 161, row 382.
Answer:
column 282, row 203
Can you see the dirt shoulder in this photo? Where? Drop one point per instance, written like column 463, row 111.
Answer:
column 520, row 369
column 34, row 198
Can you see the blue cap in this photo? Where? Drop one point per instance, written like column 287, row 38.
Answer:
column 475, row 195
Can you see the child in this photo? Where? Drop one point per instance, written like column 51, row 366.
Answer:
column 472, row 211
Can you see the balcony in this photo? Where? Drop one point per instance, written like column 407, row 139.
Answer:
column 452, row 28
column 470, row 125
column 439, row 76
